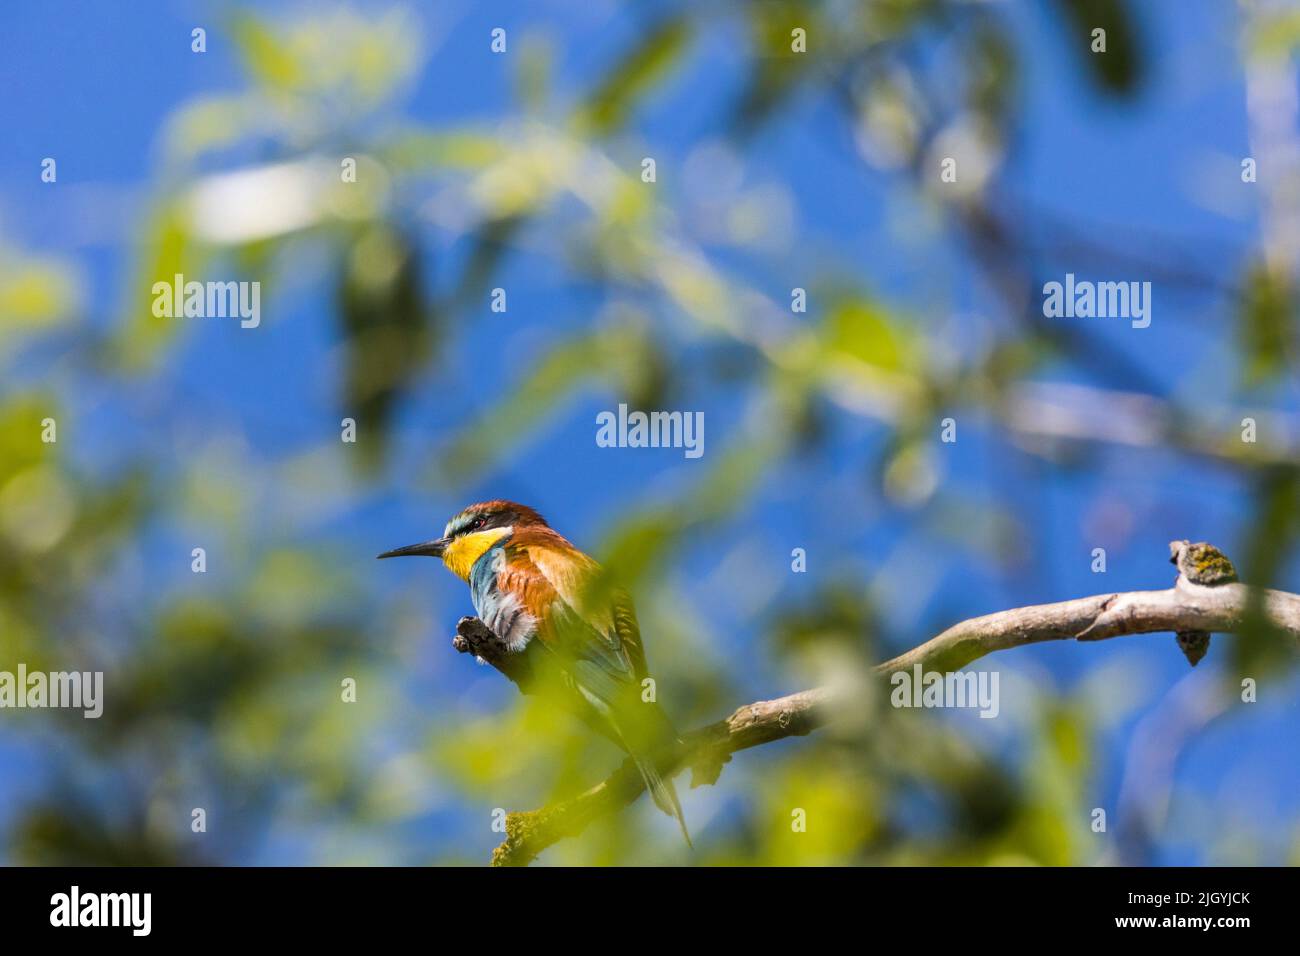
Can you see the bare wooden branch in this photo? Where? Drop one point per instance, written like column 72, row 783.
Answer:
column 1183, row 607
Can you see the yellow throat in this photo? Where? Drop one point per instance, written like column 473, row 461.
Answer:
column 465, row 549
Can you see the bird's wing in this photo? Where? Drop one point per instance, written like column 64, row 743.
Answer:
column 629, row 631
column 599, row 645
column 571, row 572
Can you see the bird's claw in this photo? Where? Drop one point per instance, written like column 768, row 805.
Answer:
column 473, row 637
column 476, row 638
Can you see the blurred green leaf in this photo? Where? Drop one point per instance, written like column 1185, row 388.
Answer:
column 166, row 250
column 609, row 355
column 388, row 329
column 35, row 295
column 639, row 70
column 1273, row 34
column 1266, row 325
column 1120, row 70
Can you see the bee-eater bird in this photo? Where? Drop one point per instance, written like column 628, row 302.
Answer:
column 530, row 586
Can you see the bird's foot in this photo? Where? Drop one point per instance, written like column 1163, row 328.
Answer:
column 475, row 637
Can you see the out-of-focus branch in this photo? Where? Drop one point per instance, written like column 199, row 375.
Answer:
column 1183, row 607
column 1047, row 415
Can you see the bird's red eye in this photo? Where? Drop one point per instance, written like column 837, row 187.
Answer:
column 478, row 523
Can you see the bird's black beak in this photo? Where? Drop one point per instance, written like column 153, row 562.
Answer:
column 428, row 549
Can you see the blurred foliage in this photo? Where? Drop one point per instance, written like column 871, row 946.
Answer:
column 1267, row 326
column 229, row 697
column 1119, row 70
column 609, row 105
column 387, row 334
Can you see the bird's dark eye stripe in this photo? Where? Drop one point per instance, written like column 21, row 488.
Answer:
column 466, row 525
